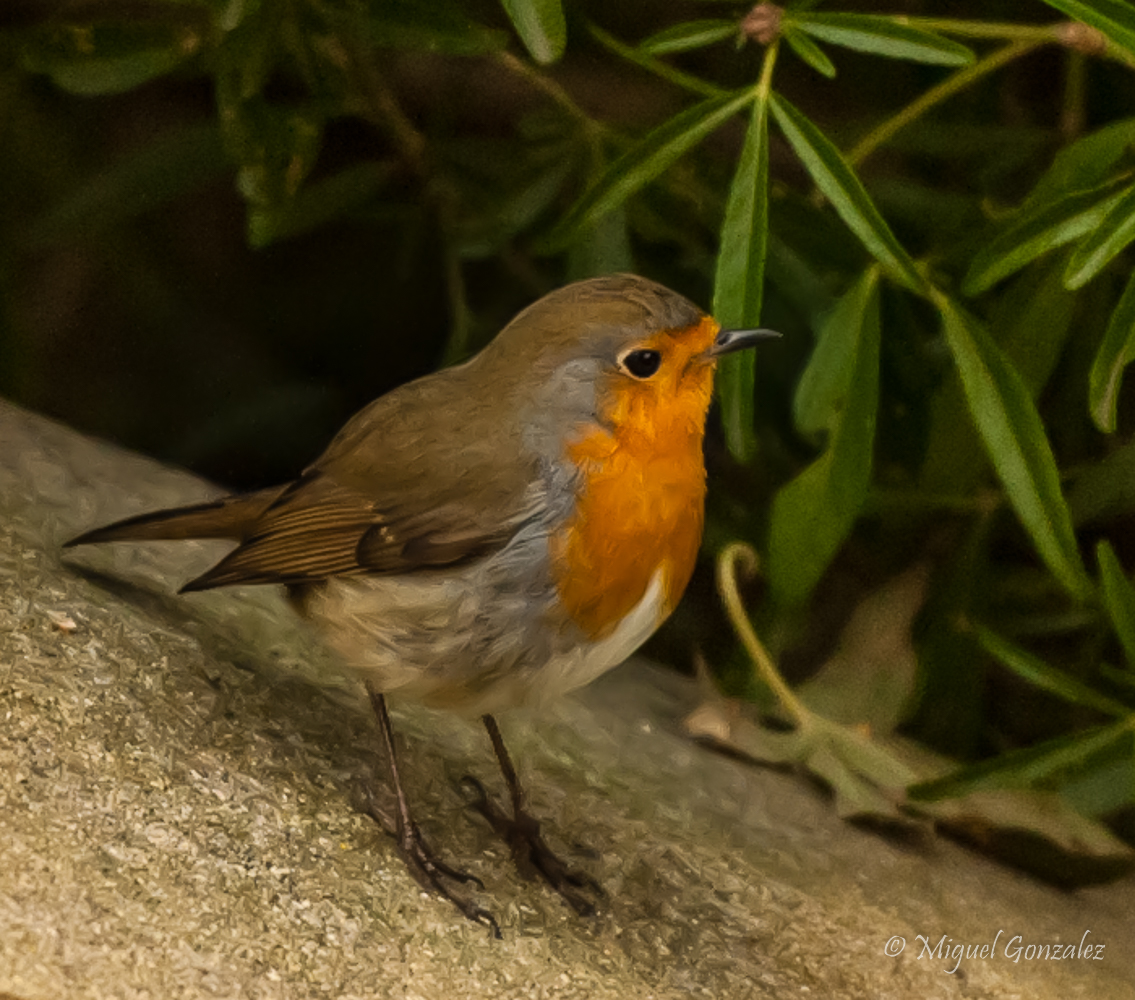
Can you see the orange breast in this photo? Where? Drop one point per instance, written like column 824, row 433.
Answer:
column 641, row 503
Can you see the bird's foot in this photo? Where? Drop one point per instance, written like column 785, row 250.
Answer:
column 427, row 868
column 531, row 853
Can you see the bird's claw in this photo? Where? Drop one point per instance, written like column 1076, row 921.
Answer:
column 427, row 868
column 530, row 851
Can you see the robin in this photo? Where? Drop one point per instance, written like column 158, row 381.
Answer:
column 498, row 532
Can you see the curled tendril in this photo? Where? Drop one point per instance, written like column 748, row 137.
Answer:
column 739, row 558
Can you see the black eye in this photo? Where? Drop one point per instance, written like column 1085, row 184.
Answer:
column 642, row 364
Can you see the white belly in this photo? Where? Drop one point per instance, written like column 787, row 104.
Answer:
column 445, row 642
column 582, row 664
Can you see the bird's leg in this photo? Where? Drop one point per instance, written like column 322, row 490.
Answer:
column 521, row 832
column 427, row 869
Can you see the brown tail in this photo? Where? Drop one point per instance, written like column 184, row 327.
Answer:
column 233, row 517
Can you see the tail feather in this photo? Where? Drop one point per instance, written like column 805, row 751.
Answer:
column 233, row 517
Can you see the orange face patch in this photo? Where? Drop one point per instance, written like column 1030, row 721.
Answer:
column 641, row 504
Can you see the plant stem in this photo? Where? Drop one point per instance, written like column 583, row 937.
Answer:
column 377, row 104
column 560, row 97
column 1041, row 33
column 936, row 95
column 740, row 554
column 656, row 66
column 764, row 85
column 1073, row 114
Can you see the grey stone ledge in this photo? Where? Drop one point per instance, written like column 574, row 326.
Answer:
column 176, row 820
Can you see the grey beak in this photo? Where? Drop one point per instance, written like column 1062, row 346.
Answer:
column 729, row 341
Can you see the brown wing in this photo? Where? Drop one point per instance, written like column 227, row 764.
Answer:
column 318, row 529
column 429, row 475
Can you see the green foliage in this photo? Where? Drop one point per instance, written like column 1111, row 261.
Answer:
column 1116, row 352
column 691, row 35
column 1013, row 434
column 540, row 25
column 837, row 395
column 644, row 161
column 883, row 36
column 959, row 314
column 739, row 279
column 1114, row 18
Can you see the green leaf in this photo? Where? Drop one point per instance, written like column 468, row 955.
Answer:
column 1115, row 353
column 540, row 25
column 652, row 64
column 1099, row 247
column 1107, row 784
column 1115, row 18
column 739, row 281
column 870, row 676
column 163, row 169
column 1105, row 489
column 810, row 52
column 797, row 279
column 276, row 147
column 814, row 513
column 1085, row 163
column 1014, row 436
column 1118, row 598
column 108, row 58
column 865, row 777
column 690, row 35
column 645, row 161
column 1040, row 674
column 329, row 199
column 515, row 209
column 882, row 36
column 1031, row 320
column 113, row 76
column 605, row 248
column 821, row 393
column 1024, row 767
column 1037, row 230
column 835, row 178
column 431, row 26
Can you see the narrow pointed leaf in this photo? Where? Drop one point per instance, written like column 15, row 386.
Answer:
column 652, row 64
column 167, row 167
column 1040, row 674
column 1038, row 230
column 810, row 52
column 1023, row 767
column 814, row 513
column 1105, row 489
column 540, row 25
column 645, row 161
column 1011, row 429
column 1116, row 352
column 1033, row 318
column 107, row 57
column 690, row 35
column 835, row 178
column 882, row 36
column 824, row 384
column 432, row 26
column 1100, row 247
column 1118, row 599
column 604, row 249
column 1085, row 163
column 739, row 281
column 1115, row 18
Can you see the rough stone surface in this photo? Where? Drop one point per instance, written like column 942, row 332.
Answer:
column 176, row 820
